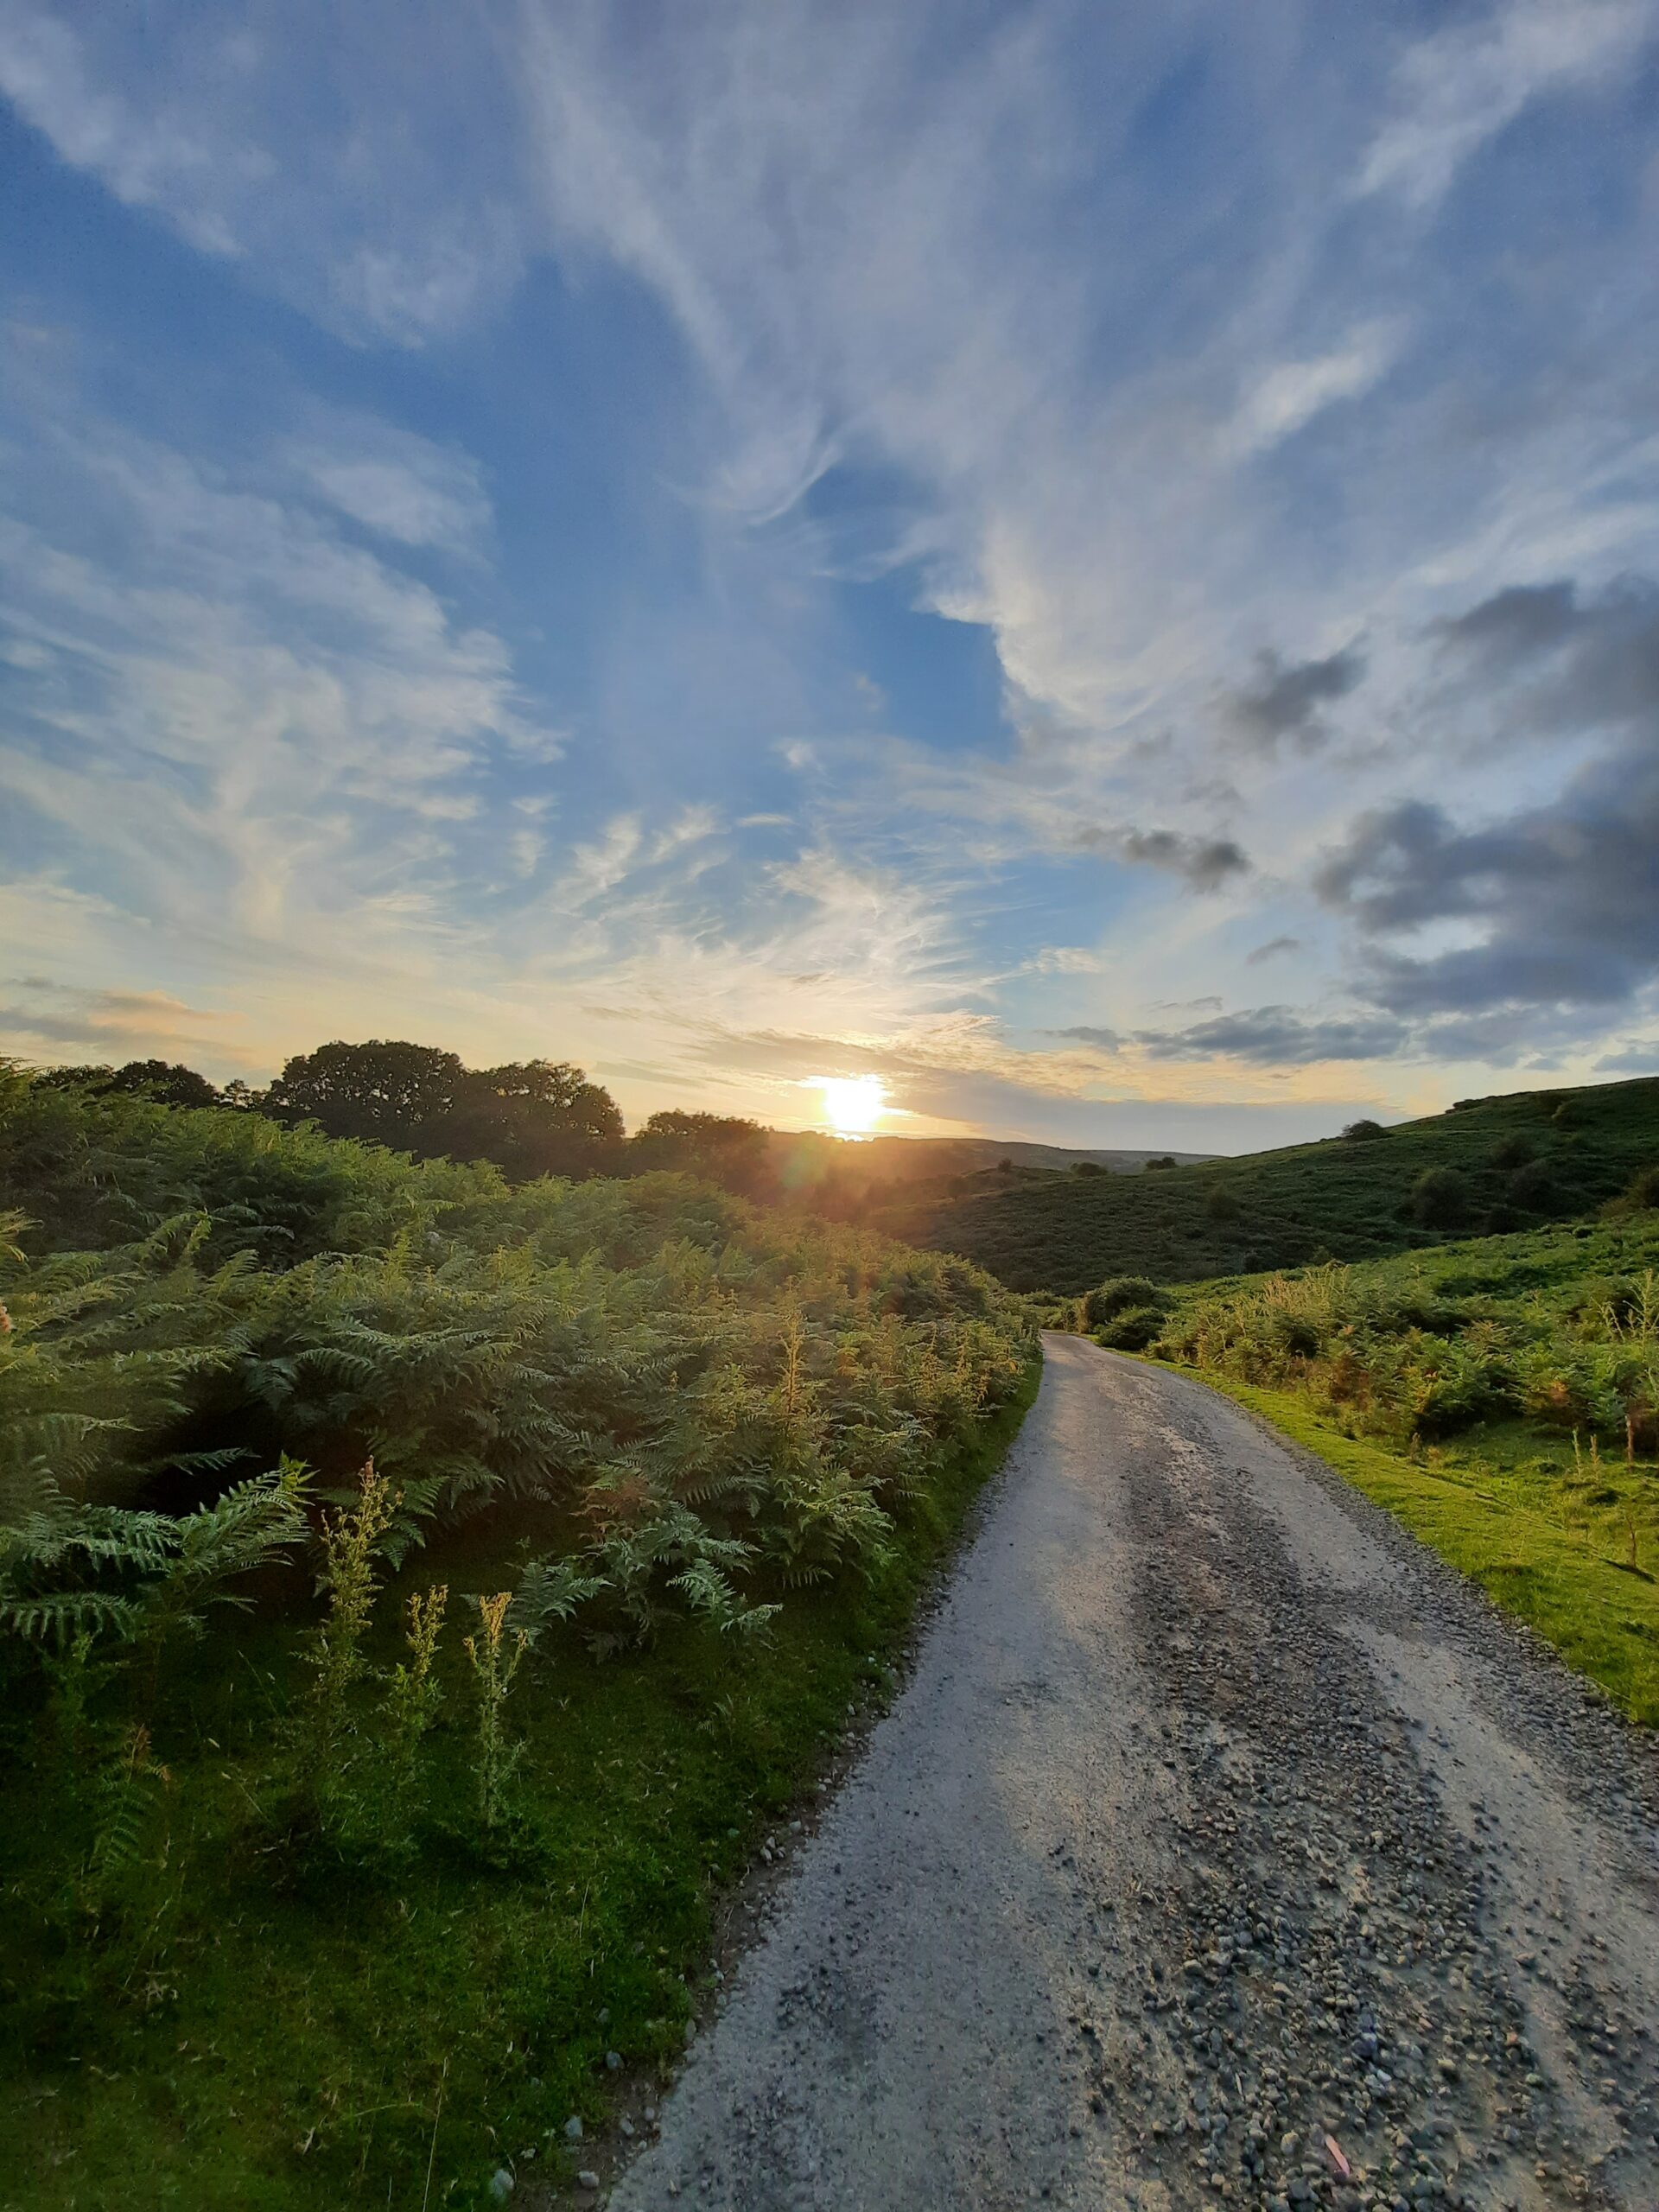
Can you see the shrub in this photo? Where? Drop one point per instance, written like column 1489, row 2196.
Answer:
column 1134, row 1329
column 1642, row 1195
column 1439, row 1198
column 1457, row 1386
column 603, row 1356
column 1364, row 1132
column 1514, row 1150
column 1532, row 1187
column 1222, row 1204
column 1116, row 1296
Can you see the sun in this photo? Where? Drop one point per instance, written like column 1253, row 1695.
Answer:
column 853, row 1104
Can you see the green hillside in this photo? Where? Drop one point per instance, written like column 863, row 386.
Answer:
column 1496, row 1165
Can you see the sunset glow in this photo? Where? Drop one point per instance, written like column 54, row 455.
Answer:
column 853, row 1104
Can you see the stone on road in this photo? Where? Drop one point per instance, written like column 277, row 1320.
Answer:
column 1224, row 1847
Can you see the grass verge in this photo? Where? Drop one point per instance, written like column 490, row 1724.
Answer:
column 272, row 2035
column 1602, row 1617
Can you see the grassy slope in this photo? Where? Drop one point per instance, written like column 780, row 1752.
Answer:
column 281, row 2041
column 1337, row 1199
column 1499, row 1528
column 1545, row 1528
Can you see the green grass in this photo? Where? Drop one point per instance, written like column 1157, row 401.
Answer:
column 1502, row 1526
column 273, row 2028
column 1500, row 1395
column 1338, row 1198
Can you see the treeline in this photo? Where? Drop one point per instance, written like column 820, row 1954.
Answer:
column 530, row 1118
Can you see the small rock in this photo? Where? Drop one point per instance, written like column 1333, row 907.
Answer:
column 613, row 2061
column 573, row 2128
column 500, row 2185
column 587, row 2179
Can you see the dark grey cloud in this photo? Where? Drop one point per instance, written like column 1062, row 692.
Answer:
column 1565, row 894
column 1107, row 1040
column 1204, row 863
column 1516, row 623
column 1286, row 697
column 1577, row 664
column 1272, row 950
column 1275, row 1035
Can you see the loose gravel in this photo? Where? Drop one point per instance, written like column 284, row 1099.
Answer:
column 1224, row 1849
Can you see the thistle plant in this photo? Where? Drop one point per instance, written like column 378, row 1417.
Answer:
column 494, row 1661
column 351, row 1545
column 413, row 1696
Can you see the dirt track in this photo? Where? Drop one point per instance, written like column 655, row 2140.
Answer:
column 1217, row 1819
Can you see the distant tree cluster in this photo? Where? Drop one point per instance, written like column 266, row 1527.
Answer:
column 530, row 1117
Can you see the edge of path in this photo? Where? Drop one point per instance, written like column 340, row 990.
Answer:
column 742, row 1908
column 1564, row 1603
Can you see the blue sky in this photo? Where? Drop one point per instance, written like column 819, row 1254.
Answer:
column 1097, row 564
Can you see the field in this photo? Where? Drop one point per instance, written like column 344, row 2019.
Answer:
column 1501, row 1164
column 415, row 1595
column 1500, row 1394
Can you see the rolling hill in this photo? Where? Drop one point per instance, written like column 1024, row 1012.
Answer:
column 1509, row 1162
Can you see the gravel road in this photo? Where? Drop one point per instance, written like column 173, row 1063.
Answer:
column 1222, row 1848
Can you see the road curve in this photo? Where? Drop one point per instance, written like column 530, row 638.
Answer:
column 1217, row 1819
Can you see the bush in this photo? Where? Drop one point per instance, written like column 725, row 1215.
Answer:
column 1642, row 1196
column 1134, row 1329
column 693, row 1398
column 1222, row 1204
column 1116, row 1296
column 1364, row 1132
column 1439, row 1198
column 1515, row 1150
column 1532, row 1187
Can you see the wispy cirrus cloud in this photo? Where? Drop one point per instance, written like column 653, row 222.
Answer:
column 1462, row 85
column 898, row 532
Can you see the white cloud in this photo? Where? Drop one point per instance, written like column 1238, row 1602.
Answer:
column 325, row 163
column 399, row 486
column 945, row 264
column 1291, row 394
column 1458, row 87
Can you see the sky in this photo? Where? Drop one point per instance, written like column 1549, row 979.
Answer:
column 1096, row 564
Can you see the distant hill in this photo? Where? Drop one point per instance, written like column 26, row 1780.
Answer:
column 906, row 1156
column 874, row 1176
column 1510, row 1162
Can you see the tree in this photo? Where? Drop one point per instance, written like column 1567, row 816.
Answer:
column 721, row 1147
column 169, row 1082
column 530, row 1117
column 1364, row 1132
column 534, row 1117
column 1164, row 1160
column 390, row 1093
